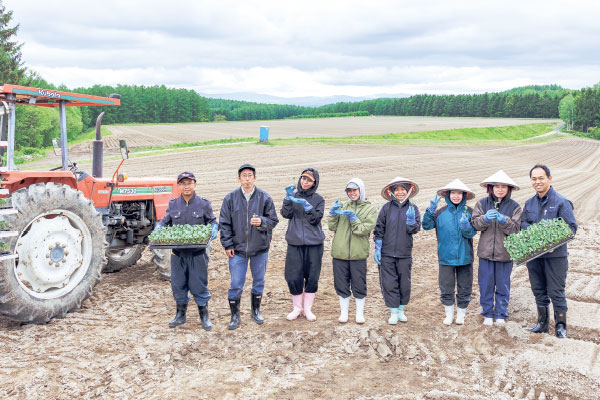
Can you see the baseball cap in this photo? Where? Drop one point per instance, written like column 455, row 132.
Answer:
column 186, row 175
column 309, row 175
column 246, row 166
column 352, row 185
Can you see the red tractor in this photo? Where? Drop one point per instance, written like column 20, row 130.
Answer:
column 59, row 229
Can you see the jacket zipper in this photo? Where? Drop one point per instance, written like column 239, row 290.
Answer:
column 350, row 232
column 247, row 225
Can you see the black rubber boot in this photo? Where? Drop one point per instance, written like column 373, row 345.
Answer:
column 255, row 308
column 542, row 323
column 560, row 324
column 179, row 317
column 206, row 324
column 234, row 305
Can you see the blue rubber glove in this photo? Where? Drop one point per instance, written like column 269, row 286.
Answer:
column 289, row 190
column 335, row 208
column 433, row 204
column 304, row 202
column 350, row 214
column 501, row 218
column 464, row 221
column 490, row 215
column 213, row 231
column 377, row 255
column 157, row 227
column 410, row 216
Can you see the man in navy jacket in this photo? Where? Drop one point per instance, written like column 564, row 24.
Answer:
column 548, row 273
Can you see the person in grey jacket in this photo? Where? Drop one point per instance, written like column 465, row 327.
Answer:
column 305, row 237
column 496, row 216
column 247, row 219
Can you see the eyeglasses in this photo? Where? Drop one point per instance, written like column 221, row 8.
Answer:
column 188, row 183
column 247, row 176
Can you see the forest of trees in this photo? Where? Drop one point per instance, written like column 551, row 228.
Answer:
column 580, row 109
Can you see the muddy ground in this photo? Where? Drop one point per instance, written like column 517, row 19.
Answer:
column 118, row 345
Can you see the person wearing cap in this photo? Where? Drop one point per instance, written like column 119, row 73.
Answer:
column 304, row 210
column 548, row 273
column 454, row 233
column 352, row 222
column 398, row 221
column 496, row 216
column 247, row 219
column 189, row 267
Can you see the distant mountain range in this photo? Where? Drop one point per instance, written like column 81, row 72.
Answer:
column 309, row 101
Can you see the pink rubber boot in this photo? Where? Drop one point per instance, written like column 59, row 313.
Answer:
column 309, row 298
column 297, row 302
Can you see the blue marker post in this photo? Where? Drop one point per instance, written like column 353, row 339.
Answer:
column 264, row 134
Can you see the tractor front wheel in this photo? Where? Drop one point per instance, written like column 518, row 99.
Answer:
column 60, row 250
column 121, row 258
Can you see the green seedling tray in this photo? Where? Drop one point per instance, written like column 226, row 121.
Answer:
column 542, row 252
column 197, row 246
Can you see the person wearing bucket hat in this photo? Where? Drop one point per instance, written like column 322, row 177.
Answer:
column 496, row 216
column 352, row 222
column 397, row 222
column 455, row 247
column 247, row 219
column 189, row 267
column 548, row 272
column 305, row 237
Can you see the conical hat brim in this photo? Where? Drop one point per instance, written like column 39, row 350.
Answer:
column 385, row 191
column 456, row 185
column 499, row 178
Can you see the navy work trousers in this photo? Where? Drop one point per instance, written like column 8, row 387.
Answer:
column 190, row 273
column 494, row 287
column 548, row 277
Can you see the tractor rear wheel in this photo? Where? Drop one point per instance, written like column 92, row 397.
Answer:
column 60, row 250
column 121, row 258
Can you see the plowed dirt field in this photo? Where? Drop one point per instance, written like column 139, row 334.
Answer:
column 118, row 345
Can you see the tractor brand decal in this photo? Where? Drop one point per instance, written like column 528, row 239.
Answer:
column 141, row 190
column 48, row 93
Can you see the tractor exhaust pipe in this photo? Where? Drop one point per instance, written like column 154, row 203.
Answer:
column 97, row 149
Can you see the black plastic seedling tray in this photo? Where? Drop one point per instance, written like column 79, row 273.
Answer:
column 541, row 253
column 178, row 246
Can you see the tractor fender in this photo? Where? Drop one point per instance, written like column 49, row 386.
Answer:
column 15, row 180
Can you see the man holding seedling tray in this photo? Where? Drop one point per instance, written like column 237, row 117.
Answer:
column 189, row 267
column 548, row 272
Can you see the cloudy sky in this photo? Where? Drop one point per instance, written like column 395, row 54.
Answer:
column 312, row 48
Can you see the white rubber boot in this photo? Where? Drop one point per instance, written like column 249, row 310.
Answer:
column 449, row 314
column 460, row 316
column 401, row 316
column 488, row 321
column 393, row 316
column 344, row 305
column 500, row 321
column 360, row 310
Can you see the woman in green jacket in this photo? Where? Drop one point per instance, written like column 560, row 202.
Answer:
column 352, row 222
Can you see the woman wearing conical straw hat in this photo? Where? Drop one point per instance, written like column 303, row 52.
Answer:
column 398, row 221
column 496, row 216
column 455, row 233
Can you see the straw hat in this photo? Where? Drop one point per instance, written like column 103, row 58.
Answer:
column 385, row 192
column 456, row 185
column 499, row 178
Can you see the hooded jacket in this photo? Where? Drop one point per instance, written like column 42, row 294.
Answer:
column 552, row 205
column 493, row 233
column 455, row 245
column 351, row 239
column 234, row 220
column 392, row 229
column 304, row 227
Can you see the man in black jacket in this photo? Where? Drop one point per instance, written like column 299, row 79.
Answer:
column 548, row 273
column 189, row 267
column 305, row 239
column 246, row 220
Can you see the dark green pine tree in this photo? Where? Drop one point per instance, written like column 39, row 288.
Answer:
column 11, row 67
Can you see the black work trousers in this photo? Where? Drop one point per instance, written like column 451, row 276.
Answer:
column 459, row 276
column 350, row 277
column 190, row 273
column 303, row 268
column 548, row 277
column 394, row 279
